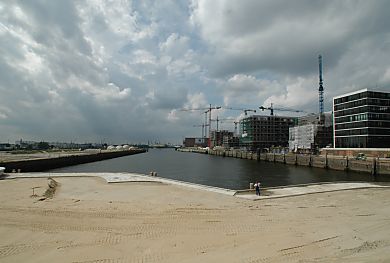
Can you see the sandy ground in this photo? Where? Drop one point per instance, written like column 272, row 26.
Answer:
column 89, row 220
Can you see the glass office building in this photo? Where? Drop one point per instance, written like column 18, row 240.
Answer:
column 361, row 119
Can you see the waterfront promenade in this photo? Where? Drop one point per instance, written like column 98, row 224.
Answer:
column 138, row 218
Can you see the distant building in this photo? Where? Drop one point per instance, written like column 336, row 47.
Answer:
column 31, row 145
column 7, row 147
column 362, row 119
column 195, row 142
column 311, row 133
column 217, row 137
column 260, row 132
column 231, row 142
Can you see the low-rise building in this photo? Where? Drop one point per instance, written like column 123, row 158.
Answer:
column 195, row 142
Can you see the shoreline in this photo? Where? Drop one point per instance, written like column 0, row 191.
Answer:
column 268, row 192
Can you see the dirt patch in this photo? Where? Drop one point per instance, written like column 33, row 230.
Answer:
column 51, row 190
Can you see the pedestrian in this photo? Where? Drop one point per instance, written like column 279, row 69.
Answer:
column 257, row 186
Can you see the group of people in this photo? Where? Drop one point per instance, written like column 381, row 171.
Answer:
column 257, row 187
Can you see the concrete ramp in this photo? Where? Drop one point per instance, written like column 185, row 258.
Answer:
column 126, row 177
column 288, row 191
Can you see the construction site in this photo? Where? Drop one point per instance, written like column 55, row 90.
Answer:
column 307, row 133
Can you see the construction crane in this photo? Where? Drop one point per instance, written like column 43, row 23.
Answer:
column 241, row 109
column 235, row 124
column 207, row 110
column 222, row 120
column 320, row 88
column 320, row 91
column 272, row 109
column 203, row 127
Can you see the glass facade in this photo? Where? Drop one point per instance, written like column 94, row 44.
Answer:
column 362, row 120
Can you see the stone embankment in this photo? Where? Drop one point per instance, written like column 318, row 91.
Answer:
column 52, row 161
column 375, row 166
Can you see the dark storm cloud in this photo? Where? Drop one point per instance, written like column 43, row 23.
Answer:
column 121, row 70
column 285, row 36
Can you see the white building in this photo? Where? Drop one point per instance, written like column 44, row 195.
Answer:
column 310, row 134
column 302, row 137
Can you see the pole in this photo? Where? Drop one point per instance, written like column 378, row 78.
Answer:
column 210, row 126
column 205, row 124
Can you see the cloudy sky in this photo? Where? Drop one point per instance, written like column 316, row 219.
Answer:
column 120, row 71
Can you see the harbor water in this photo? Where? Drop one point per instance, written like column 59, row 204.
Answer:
column 218, row 171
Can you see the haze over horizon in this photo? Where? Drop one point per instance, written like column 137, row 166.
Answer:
column 121, row 71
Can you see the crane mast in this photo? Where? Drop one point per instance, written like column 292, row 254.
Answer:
column 320, row 88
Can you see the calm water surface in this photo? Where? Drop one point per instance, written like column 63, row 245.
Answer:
column 217, row 171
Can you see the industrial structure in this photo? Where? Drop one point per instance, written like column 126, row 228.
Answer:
column 362, row 119
column 264, row 132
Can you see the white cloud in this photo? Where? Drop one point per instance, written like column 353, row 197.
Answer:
column 175, row 45
column 243, row 89
column 298, row 95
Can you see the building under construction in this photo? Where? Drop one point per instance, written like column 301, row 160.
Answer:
column 259, row 132
column 218, row 137
column 311, row 134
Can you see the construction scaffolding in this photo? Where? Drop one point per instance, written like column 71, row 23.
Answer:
column 311, row 134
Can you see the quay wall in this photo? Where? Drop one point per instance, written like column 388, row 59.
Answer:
column 338, row 163
column 304, row 160
column 383, row 168
column 380, row 166
column 319, row 162
column 44, row 164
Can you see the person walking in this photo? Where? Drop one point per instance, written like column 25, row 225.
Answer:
column 257, row 187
